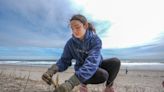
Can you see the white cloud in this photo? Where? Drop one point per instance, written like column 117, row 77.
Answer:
column 130, row 22
column 134, row 22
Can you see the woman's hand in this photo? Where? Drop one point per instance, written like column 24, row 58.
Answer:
column 47, row 76
column 68, row 85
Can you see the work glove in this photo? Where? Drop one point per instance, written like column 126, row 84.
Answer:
column 47, row 76
column 68, row 85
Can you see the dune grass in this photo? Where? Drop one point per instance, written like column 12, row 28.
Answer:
column 14, row 83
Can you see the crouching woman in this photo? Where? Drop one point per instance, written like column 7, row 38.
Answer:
column 85, row 47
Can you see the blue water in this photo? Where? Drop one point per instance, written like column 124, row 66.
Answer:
column 124, row 65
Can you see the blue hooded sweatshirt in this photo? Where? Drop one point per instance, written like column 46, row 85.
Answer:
column 86, row 52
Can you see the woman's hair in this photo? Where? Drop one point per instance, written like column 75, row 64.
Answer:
column 83, row 20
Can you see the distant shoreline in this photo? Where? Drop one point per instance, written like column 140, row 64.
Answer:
column 123, row 60
column 125, row 64
column 28, row 60
column 123, row 67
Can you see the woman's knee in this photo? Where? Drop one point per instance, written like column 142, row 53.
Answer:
column 116, row 61
column 103, row 75
column 100, row 76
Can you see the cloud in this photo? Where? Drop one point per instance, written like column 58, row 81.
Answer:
column 147, row 52
column 35, row 23
column 30, row 53
column 42, row 23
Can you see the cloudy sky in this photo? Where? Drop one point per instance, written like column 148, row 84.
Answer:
column 36, row 28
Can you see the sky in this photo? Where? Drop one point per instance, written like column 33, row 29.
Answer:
column 35, row 29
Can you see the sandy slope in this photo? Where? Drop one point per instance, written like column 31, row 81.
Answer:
column 14, row 78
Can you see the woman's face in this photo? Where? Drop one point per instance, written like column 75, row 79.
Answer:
column 78, row 29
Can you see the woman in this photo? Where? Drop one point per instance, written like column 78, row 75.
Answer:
column 85, row 47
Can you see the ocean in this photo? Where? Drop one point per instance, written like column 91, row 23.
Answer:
column 124, row 65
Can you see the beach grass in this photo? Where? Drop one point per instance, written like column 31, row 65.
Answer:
column 14, row 79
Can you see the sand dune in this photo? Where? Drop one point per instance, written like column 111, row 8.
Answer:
column 15, row 78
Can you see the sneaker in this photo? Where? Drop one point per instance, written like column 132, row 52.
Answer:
column 83, row 88
column 110, row 89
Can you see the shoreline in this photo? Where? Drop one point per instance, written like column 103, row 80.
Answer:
column 131, row 66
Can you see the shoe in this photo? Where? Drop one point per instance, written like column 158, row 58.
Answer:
column 83, row 88
column 110, row 89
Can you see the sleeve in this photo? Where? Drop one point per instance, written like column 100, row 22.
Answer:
column 65, row 60
column 91, row 63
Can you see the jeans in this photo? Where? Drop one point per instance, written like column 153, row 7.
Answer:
column 107, row 72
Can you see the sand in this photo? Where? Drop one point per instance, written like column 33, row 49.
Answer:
column 19, row 78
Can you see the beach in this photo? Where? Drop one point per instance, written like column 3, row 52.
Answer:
column 22, row 78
